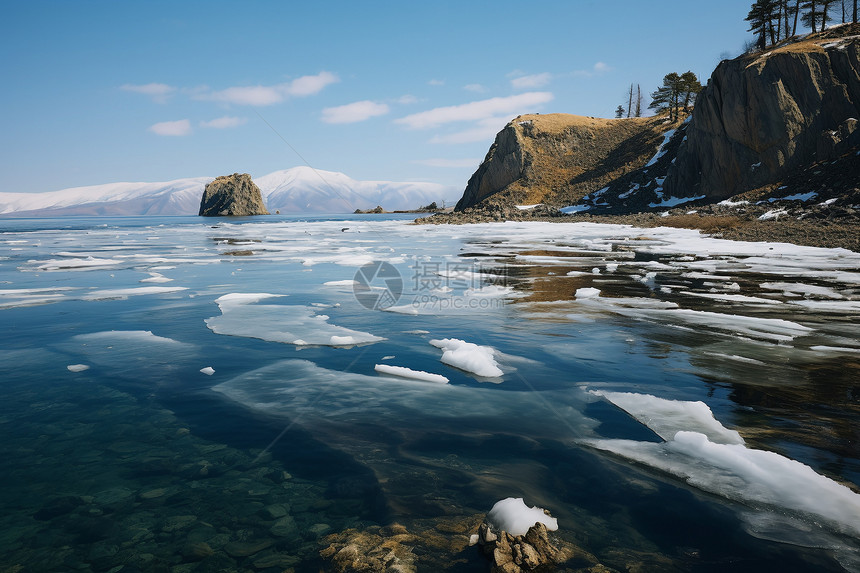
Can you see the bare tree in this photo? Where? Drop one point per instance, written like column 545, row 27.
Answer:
column 638, row 101
column 630, row 101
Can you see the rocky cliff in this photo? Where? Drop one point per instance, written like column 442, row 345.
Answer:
column 763, row 116
column 232, row 195
column 769, row 126
column 559, row 158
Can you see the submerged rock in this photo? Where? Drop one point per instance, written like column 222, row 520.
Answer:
column 366, row 551
column 232, row 195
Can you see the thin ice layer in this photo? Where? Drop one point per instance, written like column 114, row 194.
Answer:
column 290, row 324
column 714, row 459
column 302, row 390
column 747, row 475
column 667, row 417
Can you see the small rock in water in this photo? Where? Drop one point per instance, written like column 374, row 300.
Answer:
column 320, row 529
column 196, row 551
column 515, row 554
column 275, row 511
column 153, row 493
column 284, row 527
column 246, row 548
column 58, row 506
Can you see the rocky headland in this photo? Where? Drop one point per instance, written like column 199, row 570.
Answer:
column 232, row 195
column 771, row 151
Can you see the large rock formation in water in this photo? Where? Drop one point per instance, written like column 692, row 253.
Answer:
column 763, row 116
column 232, row 195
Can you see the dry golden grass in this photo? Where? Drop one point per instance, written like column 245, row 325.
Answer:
column 556, row 123
column 707, row 224
column 572, row 155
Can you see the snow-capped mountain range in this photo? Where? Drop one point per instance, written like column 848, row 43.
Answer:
column 296, row 190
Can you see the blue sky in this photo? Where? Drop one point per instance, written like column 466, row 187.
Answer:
column 99, row 92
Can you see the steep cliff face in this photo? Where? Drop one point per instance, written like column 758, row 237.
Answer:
column 764, row 116
column 560, row 158
column 232, row 195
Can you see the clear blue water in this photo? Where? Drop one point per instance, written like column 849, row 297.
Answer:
column 141, row 458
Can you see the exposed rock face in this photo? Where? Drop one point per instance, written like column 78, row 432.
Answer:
column 232, row 195
column 559, row 158
column 763, row 116
column 530, row 552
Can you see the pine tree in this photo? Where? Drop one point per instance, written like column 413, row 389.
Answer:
column 690, row 87
column 758, row 18
column 667, row 96
column 619, row 112
column 796, row 10
column 813, row 13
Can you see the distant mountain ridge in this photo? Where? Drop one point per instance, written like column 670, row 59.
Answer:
column 296, row 190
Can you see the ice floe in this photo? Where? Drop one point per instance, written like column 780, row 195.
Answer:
column 666, row 417
column 127, row 292
column 705, row 455
column 478, row 360
column 290, row 324
column 77, row 367
column 403, row 372
column 208, row 370
column 303, row 390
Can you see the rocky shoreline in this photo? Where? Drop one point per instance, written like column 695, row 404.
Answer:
column 832, row 225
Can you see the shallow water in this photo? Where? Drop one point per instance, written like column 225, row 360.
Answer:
column 143, row 461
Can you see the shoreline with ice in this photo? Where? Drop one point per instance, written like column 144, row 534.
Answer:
column 711, row 220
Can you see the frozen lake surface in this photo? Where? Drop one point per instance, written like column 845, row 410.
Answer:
column 189, row 394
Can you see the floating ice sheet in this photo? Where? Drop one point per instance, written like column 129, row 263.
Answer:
column 403, row 372
column 127, row 292
column 302, row 390
column 710, row 457
column 667, row 417
column 290, row 324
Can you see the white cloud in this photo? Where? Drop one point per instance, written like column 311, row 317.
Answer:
column 354, row 112
column 597, row 69
column 449, row 163
column 476, row 110
column 532, row 81
column 407, row 99
column 174, row 128
column 224, row 122
column 484, row 130
column 474, row 88
column 310, row 85
column 436, row 83
column 268, row 95
column 158, row 92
